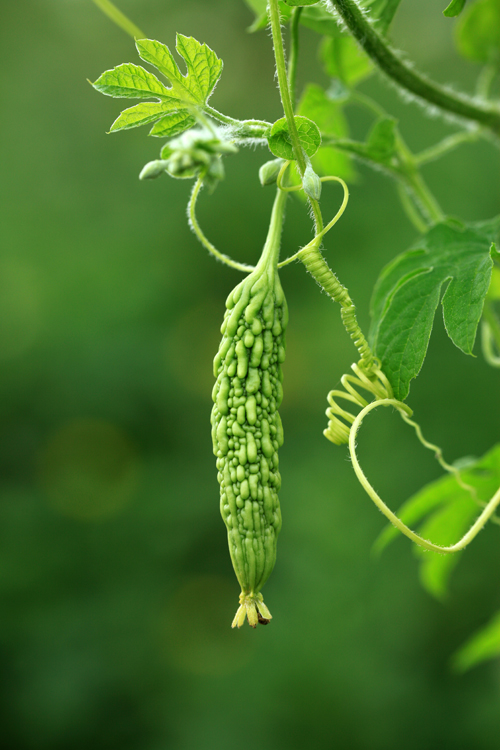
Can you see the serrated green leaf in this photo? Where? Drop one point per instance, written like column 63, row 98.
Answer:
column 482, row 646
column 328, row 115
column 343, row 59
column 203, row 67
column 408, row 292
column 448, row 510
column 173, row 124
column 141, row 114
column 454, row 8
column 280, row 143
column 478, row 31
column 129, row 81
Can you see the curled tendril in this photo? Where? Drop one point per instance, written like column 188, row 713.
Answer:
column 319, row 235
column 406, row 413
column 193, row 222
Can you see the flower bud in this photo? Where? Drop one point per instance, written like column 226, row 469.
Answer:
column 268, row 173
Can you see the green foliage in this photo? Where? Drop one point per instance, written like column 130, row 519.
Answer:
column 483, row 645
column 409, row 290
column 445, row 510
column 280, row 142
column 175, row 110
column 315, row 17
column 343, row 59
column 454, row 8
column 328, row 115
column 381, row 12
column 478, row 33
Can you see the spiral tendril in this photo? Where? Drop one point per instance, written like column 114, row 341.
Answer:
column 375, row 383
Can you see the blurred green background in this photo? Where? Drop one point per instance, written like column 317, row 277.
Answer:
column 116, row 588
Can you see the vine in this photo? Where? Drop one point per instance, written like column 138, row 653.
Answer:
column 448, row 254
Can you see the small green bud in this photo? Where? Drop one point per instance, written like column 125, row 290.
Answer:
column 311, row 183
column 153, row 169
column 268, row 173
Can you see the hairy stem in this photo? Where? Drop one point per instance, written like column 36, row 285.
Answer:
column 279, row 55
column 411, row 210
column 445, row 146
column 407, row 77
column 294, row 53
column 317, row 266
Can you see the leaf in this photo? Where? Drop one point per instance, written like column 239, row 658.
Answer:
column 174, row 109
column 343, row 59
column 408, row 292
column 320, row 20
column 173, row 124
column 381, row 143
column 129, row 81
column 300, row 3
column 328, row 115
column 483, row 645
column 280, row 143
column 478, row 31
column 448, row 510
column 454, row 8
column 203, row 67
column 381, row 13
column 141, row 114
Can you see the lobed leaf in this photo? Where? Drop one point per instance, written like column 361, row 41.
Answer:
column 129, row 81
column 484, row 644
column 203, row 66
column 447, row 510
column 408, row 292
column 280, row 142
column 173, row 113
column 173, row 124
column 141, row 114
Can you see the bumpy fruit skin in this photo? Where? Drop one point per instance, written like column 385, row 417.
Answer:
column 247, row 431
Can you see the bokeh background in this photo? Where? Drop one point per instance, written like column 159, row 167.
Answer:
column 116, row 589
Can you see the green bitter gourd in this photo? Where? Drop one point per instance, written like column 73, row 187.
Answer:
column 246, row 426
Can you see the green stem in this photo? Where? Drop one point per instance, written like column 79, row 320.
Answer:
column 423, row 196
column 279, row 56
column 317, row 266
column 407, row 77
column 271, row 250
column 411, row 210
column 294, row 53
column 485, row 79
column 446, row 145
column 245, row 128
column 493, row 322
column 120, row 19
